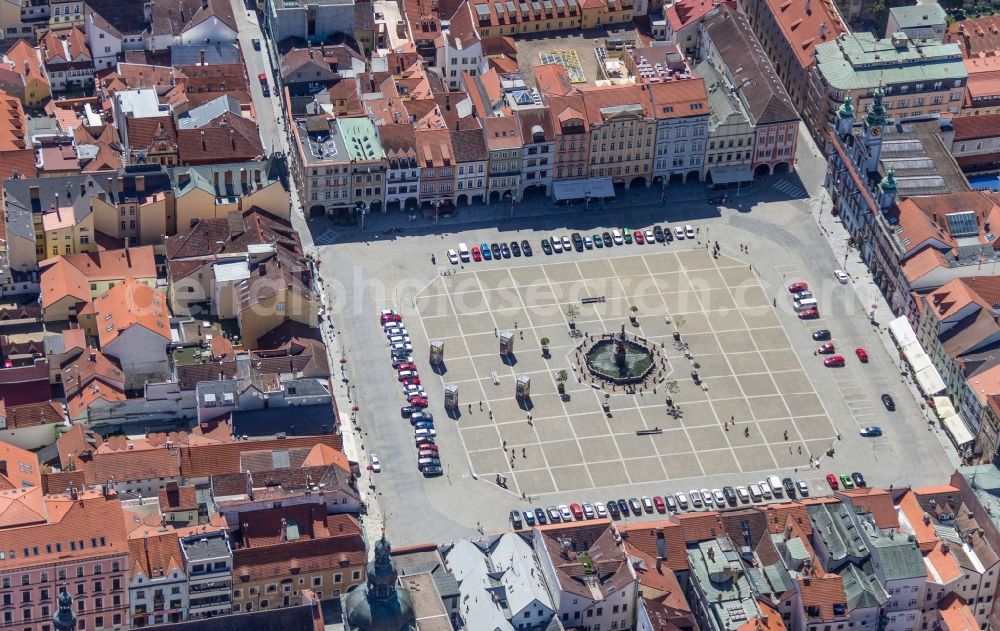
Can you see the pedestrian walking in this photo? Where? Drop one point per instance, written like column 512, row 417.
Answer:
column 726, row 425
column 524, row 452
column 491, row 415
column 775, row 302
column 480, row 406
column 786, row 434
column 746, row 432
column 732, row 418
column 800, row 450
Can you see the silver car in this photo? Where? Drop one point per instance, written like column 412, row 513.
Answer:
column 696, row 498
column 682, row 500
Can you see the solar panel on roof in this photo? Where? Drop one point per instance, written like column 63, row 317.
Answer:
column 547, row 5
column 482, row 10
column 962, row 224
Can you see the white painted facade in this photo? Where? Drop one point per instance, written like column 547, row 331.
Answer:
column 142, row 354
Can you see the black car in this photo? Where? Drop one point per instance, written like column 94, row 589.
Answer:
column 515, row 249
column 789, row 487
column 668, row 235
column 635, row 505
column 515, row 519
column 613, row 509
column 432, row 471
column 495, row 250
column 888, row 403
column 623, row 507
column 256, row 44
column 658, row 234
column 546, row 247
column 407, row 410
column 504, row 251
column 526, row 247
column 730, row 494
column 577, row 241
column 671, row 503
column 540, row 516
column 859, row 480
column 606, row 237
column 821, row 336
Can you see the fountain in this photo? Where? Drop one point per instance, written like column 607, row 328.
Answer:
column 618, row 360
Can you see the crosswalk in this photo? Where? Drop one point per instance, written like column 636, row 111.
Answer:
column 327, row 237
column 793, row 191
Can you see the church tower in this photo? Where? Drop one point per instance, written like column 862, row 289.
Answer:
column 875, row 121
column 845, row 118
column 64, row 620
column 887, row 191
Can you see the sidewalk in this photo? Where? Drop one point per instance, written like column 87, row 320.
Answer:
column 869, row 294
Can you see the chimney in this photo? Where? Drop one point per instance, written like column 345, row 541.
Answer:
column 229, row 178
column 711, row 554
column 201, row 56
column 140, row 184
column 33, row 192
column 822, row 29
column 809, row 7
column 284, row 529
column 232, row 138
column 93, row 357
column 203, row 148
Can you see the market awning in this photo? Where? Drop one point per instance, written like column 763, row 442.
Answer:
column 731, row 174
column 956, row 429
column 902, row 332
column 929, row 380
column 943, row 407
column 594, row 188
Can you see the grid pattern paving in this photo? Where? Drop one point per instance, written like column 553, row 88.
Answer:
column 568, row 59
column 754, row 380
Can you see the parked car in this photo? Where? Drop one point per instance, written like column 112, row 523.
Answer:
column 565, row 513
column 859, row 480
column 566, row 243
column 554, row 516
column 578, row 242
column 515, row 249
column 789, row 487
column 623, row 506
column 599, row 508
column 797, row 286
column 695, row 498
column 661, row 506
column 515, row 519
column 598, row 241
column 678, row 232
column 546, row 247
column 682, row 501
column 485, row 249
column 637, row 235
column 671, row 503
column 453, row 257
column 826, row 349
column 374, row 463
column 862, row 355
column 841, row 275
column 476, row 254
column 831, row 479
column 888, row 402
column 577, row 510
column 635, row 505
column 613, row 509
column 256, row 43
column 803, row 488
column 658, row 233
column 540, row 517
column 588, row 510
column 730, row 495
column 650, row 237
column 822, row 334
column 608, row 241
column 802, row 295
column 529, row 517
column 504, row 251
column 627, row 236
column 808, row 314
column 689, row 231
column 846, row 481
column 837, row 361
column 495, row 250
column 526, row 247
column 743, row 493
column 871, row 432
column 647, row 504
column 431, row 471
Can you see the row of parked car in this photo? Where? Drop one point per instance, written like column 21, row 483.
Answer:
column 424, row 435
column 694, row 500
column 562, row 243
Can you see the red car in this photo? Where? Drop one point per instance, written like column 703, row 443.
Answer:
column 390, row 317
column 427, row 446
column 809, row 314
column 407, row 366
column 476, row 254
column 637, row 235
column 661, row 506
column 862, row 355
column 411, row 381
column 577, row 510
column 826, row 349
column 831, row 479
column 418, row 401
column 836, row 361
column 797, row 286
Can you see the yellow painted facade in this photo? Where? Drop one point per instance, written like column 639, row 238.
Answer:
column 77, row 238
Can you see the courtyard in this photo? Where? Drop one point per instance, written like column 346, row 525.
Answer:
column 575, row 49
column 754, row 411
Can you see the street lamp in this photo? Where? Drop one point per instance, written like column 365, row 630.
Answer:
column 362, row 207
column 437, row 208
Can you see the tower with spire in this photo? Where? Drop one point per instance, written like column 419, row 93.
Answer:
column 887, row 191
column 874, row 124
column 845, row 117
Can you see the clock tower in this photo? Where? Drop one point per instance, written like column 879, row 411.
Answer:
column 874, row 123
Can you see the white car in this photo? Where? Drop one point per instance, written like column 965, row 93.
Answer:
column 556, row 243
column 567, row 514
column 650, row 237
column 689, row 231
column 396, row 330
column 588, row 243
column 647, row 504
column 406, row 374
column 755, row 493
column 399, row 339
column 453, row 257
column 588, row 510
column 695, row 497
column 679, row 233
column 706, row 495
column 401, row 346
column 720, row 498
column 743, row 494
column 376, row 466
column 841, row 275
column 600, row 509
column 424, row 433
column 765, row 489
column 567, row 244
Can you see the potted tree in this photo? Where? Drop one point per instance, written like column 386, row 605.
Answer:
column 561, row 378
column 545, row 346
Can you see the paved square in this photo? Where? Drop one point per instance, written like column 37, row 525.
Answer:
column 755, row 411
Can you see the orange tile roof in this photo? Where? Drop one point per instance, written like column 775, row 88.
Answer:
column 72, row 274
column 823, row 591
column 19, row 468
column 207, row 460
column 59, row 218
column 27, row 61
column 945, row 566
column 769, row 620
column 801, row 28
column 878, row 502
column 502, row 132
column 64, row 46
column 956, row 615
column 156, row 554
column 680, row 14
column 677, row 99
column 920, row 264
column 181, row 499
column 926, row 536
column 92, row 519
column 21, row 506
column 131, row 304
column 644, row 536
column 13, row 124
column 324, row 455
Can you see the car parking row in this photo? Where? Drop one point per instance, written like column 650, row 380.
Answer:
column 424, row 434
column 769, row 489
column 557, row 244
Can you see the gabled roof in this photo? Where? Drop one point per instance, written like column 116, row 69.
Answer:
column 173, row 18
column 155, row 555
column 206, row 460
column 71, row 274
column 801, row 28
column 591, row 564
column 27, row 61
column 129, row 304
column 22, row 469
column 227, row 138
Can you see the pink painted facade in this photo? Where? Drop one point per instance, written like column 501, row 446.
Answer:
column 775, row 144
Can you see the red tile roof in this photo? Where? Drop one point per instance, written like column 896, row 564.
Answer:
column 207, row 460
column 801, row 28
column 129, row 304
